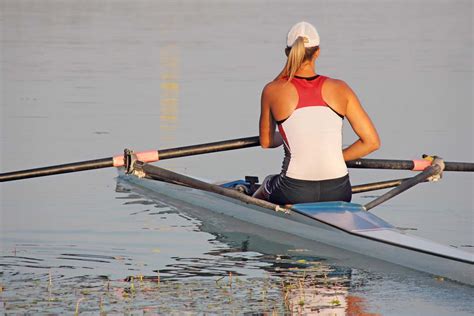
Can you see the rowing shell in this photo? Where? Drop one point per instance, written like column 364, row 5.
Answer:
column 339, row 224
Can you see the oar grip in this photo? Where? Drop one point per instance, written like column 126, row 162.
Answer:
column 145, row 156
column 421, row 164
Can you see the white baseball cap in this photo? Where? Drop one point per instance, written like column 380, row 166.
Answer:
column 305, row 30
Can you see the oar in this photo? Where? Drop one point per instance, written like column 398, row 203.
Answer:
column 373, row 186
column 161, row 174
column 415, row 165
column 434, row 169
column 147, row 156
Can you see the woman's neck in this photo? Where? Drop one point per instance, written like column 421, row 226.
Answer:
column 306, row 70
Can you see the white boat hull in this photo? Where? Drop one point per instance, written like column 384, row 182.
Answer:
column 382, row 241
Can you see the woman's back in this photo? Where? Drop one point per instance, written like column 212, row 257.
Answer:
column 312, row 133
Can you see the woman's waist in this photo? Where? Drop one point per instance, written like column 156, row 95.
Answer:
column 316, row 168
column 303, row 182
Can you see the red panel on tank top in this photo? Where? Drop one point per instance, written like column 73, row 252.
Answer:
column 283, row 135
column 309, row 91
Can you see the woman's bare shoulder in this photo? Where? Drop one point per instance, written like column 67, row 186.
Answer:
column 339, row 84
column 337, row 88
column 276, row 86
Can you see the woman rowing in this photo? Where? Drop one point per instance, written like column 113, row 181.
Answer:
column 309, row 109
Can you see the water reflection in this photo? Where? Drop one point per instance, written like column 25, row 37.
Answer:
column 312, row 279
column 169, row 94
column 295, row 284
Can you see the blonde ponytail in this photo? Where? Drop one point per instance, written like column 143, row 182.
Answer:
column 297, row 55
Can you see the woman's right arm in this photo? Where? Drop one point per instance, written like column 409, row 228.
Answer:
column 269, row 138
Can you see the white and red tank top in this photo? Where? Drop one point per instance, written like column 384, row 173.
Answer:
column 312, row 135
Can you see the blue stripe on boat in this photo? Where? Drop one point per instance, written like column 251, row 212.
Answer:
column 234, row 183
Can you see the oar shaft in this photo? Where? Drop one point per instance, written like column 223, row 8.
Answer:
column 117, row 161
column 360, row 188
column 185, row 151
column 57, row 169
column 417, row 165
column 209, row 148
column 161, row 174
column 405, row 185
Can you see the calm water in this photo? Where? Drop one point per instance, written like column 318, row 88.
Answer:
column 83, row 80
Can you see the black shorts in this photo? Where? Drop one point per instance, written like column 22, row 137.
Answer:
column 285, row 190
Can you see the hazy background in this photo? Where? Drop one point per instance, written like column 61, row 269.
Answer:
column 82, row 80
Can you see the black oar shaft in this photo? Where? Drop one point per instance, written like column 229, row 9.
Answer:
column 405, row 164
column 109, row 162
column 381, row 164
column 405, row 185
column 57, row 169
column 360, row 188
column 161, row 174
column 209, row 148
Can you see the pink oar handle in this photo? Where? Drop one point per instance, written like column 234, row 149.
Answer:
column 421, row 164
column 145, row 156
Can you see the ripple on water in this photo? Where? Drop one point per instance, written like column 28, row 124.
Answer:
column 229, row 276
column 297, row 285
